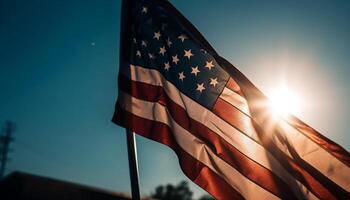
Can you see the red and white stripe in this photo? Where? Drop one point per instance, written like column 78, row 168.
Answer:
column 231, row 154
column 234, row 108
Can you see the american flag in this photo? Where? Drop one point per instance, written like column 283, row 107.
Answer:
column 175, row 89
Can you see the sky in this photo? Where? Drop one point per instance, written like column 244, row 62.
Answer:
column 59, row 64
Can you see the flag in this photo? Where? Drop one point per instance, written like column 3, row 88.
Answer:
column 175, row 89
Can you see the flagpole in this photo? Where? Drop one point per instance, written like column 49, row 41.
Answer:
column 133, row 168
column 130, row 136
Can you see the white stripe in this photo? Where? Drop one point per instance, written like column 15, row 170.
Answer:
column 195, row 147
column 307, row 149
column 314, row 154
column 241, row 142
column 235, row 99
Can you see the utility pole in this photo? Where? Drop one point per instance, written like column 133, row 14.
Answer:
column 5, row 141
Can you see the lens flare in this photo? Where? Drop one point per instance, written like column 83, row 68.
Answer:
column 284, row 102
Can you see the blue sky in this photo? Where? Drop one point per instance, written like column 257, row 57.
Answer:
column 59, row 62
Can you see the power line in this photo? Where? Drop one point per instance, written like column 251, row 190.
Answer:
column 5, row 141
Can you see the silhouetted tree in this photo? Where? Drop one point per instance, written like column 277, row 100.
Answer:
column 170, row 192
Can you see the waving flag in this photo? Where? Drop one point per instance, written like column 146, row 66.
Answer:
column 175, row 89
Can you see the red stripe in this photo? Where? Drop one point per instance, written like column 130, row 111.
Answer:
column 195, row 170
column 333, row 148
column 232, row 85
column 253, row 94
column 249, row 168
column 232, row 115
column 315, row 181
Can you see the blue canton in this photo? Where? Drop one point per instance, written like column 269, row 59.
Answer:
column 160, row 42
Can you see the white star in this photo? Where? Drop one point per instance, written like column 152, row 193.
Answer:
column 188, row 53
column 151, row 56
column 157, row 35
column 166, row 66
column 138, row 53
column 213, row 81
column 143, row 43
column 162, row 50
column 144, row 9
column 209, row 65
column 182, row 76
column 200, row 87
column 182, row 37
column 195, row 70
column 169, row 43
column 175, row 59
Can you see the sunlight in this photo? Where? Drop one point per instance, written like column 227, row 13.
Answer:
column 284, row 102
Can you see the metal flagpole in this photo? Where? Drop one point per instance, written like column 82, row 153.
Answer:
column 133, row 168
column 130, row 136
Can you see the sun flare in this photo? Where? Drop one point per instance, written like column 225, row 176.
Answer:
column 284, row 102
